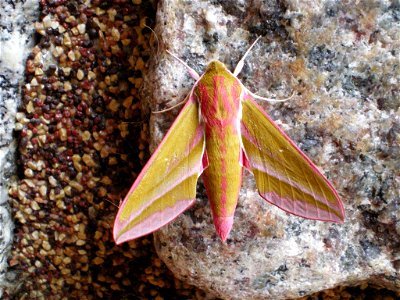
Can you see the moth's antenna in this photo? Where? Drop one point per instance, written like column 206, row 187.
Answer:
column 192, row 72
column 240, row 64
column 239, row 68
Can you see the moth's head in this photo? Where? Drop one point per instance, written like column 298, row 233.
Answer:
column 216, row 66
column 215, row 72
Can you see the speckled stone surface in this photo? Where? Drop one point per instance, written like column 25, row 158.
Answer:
column 16, row 23
column 342, row 61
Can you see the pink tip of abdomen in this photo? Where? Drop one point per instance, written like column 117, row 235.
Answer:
column 223, row 225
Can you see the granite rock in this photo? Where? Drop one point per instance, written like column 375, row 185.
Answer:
column 341, row 60
column 16, row 23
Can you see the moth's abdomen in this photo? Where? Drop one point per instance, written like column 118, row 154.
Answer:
column 223, row 177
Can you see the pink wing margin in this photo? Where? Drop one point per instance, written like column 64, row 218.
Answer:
column 284, row 175
column 166, row 186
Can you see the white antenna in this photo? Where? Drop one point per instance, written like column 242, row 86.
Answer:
column 240, row 64
column 192, row 72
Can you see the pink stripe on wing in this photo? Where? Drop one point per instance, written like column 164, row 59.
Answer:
column 152, row 223
column 301, row 208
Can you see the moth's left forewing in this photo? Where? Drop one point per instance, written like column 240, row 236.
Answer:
column 167, row 184
column 284, row 175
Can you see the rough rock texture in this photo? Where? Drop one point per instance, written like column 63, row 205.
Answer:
column 16, row 23
column 342, row 61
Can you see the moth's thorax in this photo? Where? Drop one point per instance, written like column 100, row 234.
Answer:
column 218, row 92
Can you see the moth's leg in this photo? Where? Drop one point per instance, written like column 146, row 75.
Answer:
column 172, row 107
column 269, row 99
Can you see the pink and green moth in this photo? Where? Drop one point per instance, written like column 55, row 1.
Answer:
column 219, row 131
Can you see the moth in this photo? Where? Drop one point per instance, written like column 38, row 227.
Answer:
column 219, row 131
